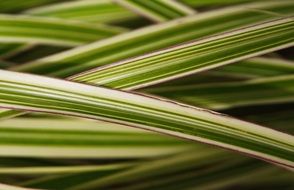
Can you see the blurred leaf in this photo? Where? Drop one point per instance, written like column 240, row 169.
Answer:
column 51, row 31
column 157, row 10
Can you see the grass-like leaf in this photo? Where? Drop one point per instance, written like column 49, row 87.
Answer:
column 158, row 10
column 188, row 169
column 102, row 11
column 64, row 138
column 27, row 29
column 155, row 37
column 194, row 56
column 197, row 55
column 29, row 92
column 230, row 94
column 257, row 67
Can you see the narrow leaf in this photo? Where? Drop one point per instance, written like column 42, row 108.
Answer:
column 61, row 138
column 102, row 11
column 36, row 93
column 194, row 56
column 230, row 94
column 60, row 169
column 157, row 10
column 28, row 29
column 153, row 38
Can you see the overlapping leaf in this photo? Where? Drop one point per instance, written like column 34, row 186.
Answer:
column 229, row 94
column 158, row 10
column 154, row 37
column 64, row 138
column 194, row 56
column 87, row 10
column 51, row 31
column 29, row 92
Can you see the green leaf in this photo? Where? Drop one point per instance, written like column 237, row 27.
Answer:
column 253, row 68
column 157, row 10
column 89, row 56
column 7, row 49
column 200, row 3
column 230, row 94
column 36, row 93
column 256, row 68
column 64, row 138
column 16, row 5
column 60, row 169
column 29, row 29
column 180, row 171
column 194, row 56
column 68, row 181
column 7, row 113
column 140, row 171
column 46, row 151
column 104, row 11
column 195, row 168
column 154, row 37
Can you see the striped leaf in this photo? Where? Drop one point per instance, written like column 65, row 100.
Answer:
column 50, row 151
column 253, row 68
column 248, row 69
column 28, row 29
column 60, row 169
column 7, row 113
column 16, row 5
column 130, row 75
column 181, row 171
column 229, row 94
column 37, row 93
column 153, row 38
column 64, row 138
column 157, row 10
column 104, row 11
column 194, row 56
column 257, row 67
column 200, row 3
column 141, row 171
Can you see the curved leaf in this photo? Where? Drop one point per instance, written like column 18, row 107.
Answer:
column 29, row 92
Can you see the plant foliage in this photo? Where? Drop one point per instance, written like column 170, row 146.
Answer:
column 137, row 94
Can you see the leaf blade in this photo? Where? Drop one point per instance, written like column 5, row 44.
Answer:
column 29, row 29
column 151, row 38
column 148, row 113
column 192, row 57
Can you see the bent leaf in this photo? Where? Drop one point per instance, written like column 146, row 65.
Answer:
column 36, row 93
